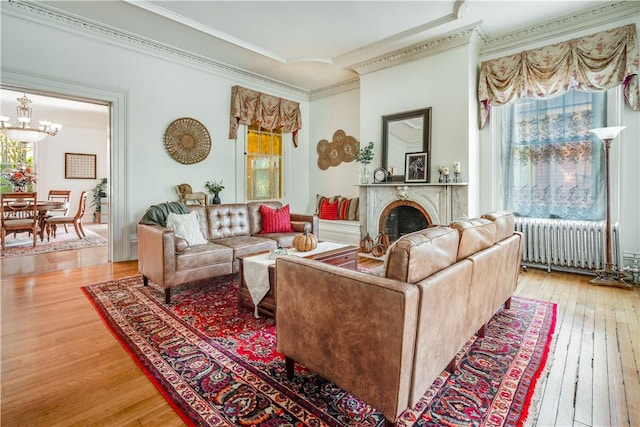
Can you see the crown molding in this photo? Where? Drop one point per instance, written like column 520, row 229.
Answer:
column 335, row 89
column 42, row 14
column 562, row 26
column 420, row 50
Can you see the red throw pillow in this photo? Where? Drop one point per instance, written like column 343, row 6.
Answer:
column 275, row 220
column 328, row 210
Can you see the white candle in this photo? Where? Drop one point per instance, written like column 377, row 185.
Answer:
column 456, row 167
column 446, row 171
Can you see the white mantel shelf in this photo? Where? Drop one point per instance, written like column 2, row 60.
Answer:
column 414, row 184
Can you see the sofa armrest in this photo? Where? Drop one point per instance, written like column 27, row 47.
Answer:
column 156, row 253
column 296, row 219
column 349, row 327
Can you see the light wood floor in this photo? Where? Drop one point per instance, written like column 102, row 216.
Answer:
column 61, row 366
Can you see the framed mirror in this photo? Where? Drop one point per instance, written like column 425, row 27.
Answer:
column 402, row 133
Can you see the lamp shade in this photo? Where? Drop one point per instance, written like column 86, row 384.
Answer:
column 608, row 133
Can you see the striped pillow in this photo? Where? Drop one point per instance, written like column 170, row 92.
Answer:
column 320, row 198
column 348, row 208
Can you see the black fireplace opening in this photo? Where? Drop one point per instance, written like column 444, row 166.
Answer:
column 404, row 220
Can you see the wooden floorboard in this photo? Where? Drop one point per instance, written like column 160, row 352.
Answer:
column 60, row 365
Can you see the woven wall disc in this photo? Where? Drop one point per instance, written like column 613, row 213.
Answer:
column 187, row 141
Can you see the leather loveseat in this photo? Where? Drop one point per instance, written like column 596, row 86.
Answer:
column 231, row 230
column 385, row 338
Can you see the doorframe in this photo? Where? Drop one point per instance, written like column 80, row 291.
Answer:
column 119, row 234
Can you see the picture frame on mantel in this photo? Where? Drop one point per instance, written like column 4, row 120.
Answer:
column 415, row 169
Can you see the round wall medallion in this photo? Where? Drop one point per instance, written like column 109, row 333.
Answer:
column 187, row 141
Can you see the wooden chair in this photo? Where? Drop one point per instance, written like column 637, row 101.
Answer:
column 76, row 220
column 19, row 214
column 60, row 196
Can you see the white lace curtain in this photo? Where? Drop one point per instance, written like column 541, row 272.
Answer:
column 592, row 63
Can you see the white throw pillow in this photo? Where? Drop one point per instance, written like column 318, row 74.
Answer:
column 186, row 226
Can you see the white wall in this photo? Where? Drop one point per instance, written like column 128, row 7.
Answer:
column 341, row 111
column 439, row 81
column 50, row 160
column 158, row 91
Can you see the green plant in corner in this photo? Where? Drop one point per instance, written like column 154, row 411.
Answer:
column 99, row 191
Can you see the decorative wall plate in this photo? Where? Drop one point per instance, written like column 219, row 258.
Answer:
column 187, row 141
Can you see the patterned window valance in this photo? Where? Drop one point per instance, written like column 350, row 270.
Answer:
column 592, row 63
column 249, row 107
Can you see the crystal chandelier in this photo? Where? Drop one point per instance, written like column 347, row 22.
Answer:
column 23, row 130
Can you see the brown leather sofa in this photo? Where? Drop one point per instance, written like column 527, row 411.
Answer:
column 385, row 338
column 231, row 230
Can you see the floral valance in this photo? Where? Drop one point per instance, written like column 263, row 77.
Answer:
column 249, row 107
column 596, row 62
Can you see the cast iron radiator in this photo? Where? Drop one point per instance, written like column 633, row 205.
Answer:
column 568, row 245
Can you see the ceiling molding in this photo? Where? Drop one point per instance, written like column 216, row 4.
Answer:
column 564, row 25
column 335, row 89
column 43, row 15
column 419, row 50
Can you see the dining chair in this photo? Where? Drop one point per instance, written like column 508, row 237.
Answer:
column 60, row 196
column 19, row 214
column 76, row 220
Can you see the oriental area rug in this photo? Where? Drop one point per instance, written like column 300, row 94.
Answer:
column 22, row 244
column 217, row 365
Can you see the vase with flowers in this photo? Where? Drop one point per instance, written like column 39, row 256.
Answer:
column 364, row 157
column 22, row 178
column 214, row 188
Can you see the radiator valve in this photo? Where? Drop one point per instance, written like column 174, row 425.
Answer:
column 633, row 271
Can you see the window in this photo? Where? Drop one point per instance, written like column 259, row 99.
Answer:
column 553, row 166
column 264, row 163
column 14, row 154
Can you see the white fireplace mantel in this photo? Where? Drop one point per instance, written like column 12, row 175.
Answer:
column 443, row 202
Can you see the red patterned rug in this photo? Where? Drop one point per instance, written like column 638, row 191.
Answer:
column 217, row 365
column 22, row 244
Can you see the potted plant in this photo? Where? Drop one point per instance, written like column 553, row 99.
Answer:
column 365, row 156
column 214, row 188
column 99, row 192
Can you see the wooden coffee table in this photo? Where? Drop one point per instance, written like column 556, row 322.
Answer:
column 346, row 257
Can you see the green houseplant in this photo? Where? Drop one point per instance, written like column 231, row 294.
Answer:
column 214, row 188
column 365, row 156
column 99, row 191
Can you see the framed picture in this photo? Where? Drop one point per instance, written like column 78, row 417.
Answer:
column 79, row 166
column 415, row 167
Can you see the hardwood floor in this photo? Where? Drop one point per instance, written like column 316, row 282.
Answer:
column 61, row 366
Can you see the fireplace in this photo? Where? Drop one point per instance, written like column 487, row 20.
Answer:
column 400, row 208
column 403, row 217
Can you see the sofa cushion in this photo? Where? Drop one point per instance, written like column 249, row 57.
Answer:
column 187, row 227
column 505, row 223
column 247, row 245
column 228, row 220
column 475, row 235
column 275, row 220
column 204, row 255
column 417, row 255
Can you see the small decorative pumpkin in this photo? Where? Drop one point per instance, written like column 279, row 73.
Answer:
column 366, row 244
column 383, row 239
column 305, row 242
column 378, row 250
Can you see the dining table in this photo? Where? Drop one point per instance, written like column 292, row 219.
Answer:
column 42, row 207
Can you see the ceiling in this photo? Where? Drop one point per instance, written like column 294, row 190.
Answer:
column 310, row 44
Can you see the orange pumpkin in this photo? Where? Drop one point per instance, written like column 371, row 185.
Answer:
column 366, row 244
column 305, row 242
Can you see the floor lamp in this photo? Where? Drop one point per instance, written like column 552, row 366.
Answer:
column 608, row 276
